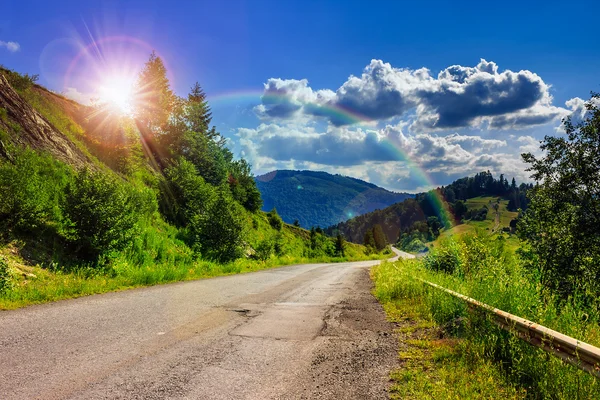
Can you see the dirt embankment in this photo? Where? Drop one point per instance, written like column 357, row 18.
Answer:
column 29, row 128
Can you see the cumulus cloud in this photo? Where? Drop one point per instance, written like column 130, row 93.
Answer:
column 579, row 109
column 475, row 143
column 457, row 97
column 528, row 144
column 345, row 147
column 13, row 47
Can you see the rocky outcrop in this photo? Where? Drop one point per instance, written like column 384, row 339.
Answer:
column 27, row 127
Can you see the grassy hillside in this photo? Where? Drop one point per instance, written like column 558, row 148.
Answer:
column 92, row 201
column 495, row 221
column 480, row 202
column 321, row 199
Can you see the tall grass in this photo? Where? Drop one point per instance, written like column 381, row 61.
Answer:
column 480, row 266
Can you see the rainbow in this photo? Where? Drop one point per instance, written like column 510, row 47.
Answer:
column 348, row 117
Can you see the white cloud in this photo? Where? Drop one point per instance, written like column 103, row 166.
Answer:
column 13, row 47
column 528, row 144
column 458, row 97
column 579, row 110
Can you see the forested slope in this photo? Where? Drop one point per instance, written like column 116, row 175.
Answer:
column 415, row 221
column 317, row 198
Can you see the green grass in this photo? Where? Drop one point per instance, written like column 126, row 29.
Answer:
column 486, row 269
column 433, row 366
column 59, row 119
column 471, row 227
column 41, row 285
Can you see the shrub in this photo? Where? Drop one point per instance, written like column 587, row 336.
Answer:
column 274, row 219
column 30, row 191
column 102, row 213
column 445, row 258
column 220, row 232
column 185, row 195
column 264, row 249
column 5, row 276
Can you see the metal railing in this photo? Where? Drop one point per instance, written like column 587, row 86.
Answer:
column 579, row 354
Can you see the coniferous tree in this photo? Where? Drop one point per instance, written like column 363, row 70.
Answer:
column 154, row 99
column 369, row 240
column 197, row 112
column 379, row 237
column 340, row 245
column 155, row 103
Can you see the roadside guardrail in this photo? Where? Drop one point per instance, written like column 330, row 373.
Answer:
column 572, row 351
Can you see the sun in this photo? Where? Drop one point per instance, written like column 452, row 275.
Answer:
column 116, row 92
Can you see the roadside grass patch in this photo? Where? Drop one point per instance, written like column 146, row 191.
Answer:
column 484, row 268
column 433, row 365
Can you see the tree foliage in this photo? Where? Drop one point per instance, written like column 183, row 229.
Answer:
column 154, row 99
column 274, row 219
column 102, row 213
column 221, row 231
column 562, row 222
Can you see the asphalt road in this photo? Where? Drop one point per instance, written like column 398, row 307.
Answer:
column 305, row 331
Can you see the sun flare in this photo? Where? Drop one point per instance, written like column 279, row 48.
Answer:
column 117, row 93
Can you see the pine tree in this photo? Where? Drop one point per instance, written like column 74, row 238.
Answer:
column 198, row 114
column 154, row 106
column 340, row 245
column 379, row 237
column 154, row 99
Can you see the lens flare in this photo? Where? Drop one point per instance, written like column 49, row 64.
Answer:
column 116, row 92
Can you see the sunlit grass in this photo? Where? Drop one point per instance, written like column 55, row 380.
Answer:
column 471, row 227
column 436, row 368
column 157, row 256
column 490, row 272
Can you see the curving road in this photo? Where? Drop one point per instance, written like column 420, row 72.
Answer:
column 304, row 331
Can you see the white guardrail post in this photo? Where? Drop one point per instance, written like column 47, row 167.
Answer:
column 579, row 354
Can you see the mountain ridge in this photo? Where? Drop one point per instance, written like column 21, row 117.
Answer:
column 318, row 198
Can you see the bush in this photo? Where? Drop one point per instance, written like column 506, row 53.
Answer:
column 30, row 191
column 101, row 212
column 5, row 276
column 264, row 249
column 274, row 219
column 445, row 258
column 221, row 231
column 185, row 195
column 477, row 215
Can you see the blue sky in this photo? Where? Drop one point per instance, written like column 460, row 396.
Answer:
column 422, row 123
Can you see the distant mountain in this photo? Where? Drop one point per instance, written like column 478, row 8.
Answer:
column 321, row 199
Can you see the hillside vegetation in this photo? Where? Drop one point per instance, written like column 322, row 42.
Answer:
column 498, row 220
column 477, row 202
column 320, row 199
column 92, row 199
